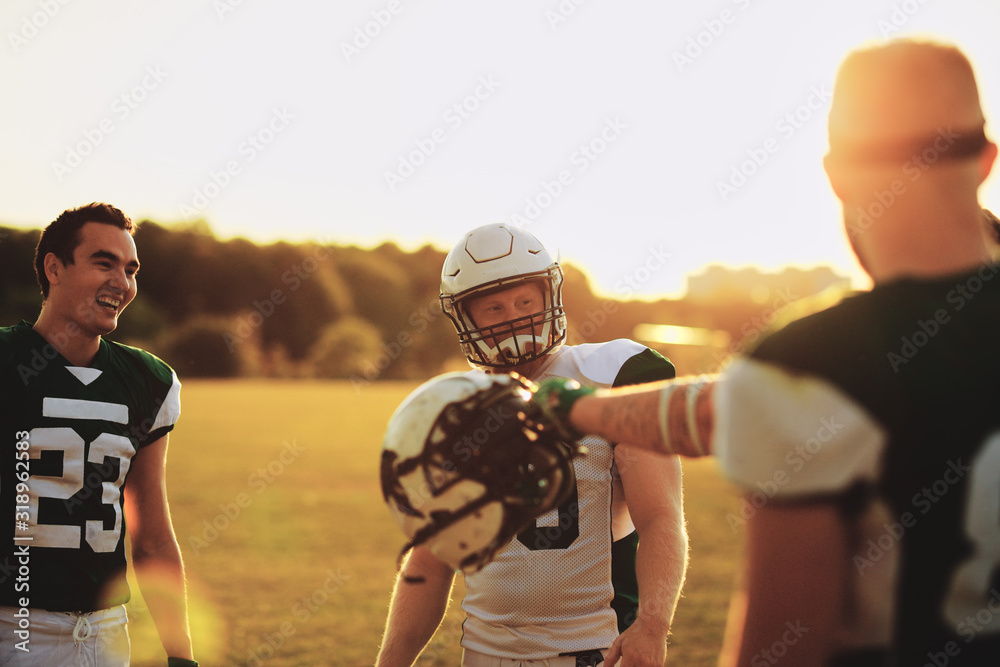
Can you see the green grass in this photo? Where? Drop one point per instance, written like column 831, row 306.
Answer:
column 291, row 553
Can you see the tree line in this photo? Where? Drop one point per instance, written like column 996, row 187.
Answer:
column 230, row 308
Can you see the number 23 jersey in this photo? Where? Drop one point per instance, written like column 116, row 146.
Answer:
column 81, row 426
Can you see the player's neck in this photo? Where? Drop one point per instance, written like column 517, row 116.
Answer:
column 934, row 252
column 926, row 233
column 75, row 345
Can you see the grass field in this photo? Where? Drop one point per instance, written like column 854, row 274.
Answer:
column 291, row 553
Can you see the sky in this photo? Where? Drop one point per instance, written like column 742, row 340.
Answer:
column 640, row 140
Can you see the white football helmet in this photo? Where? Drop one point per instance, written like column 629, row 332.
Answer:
column 494, row 257
column 468, row 462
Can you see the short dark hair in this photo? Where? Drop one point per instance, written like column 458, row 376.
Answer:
column 62, row 236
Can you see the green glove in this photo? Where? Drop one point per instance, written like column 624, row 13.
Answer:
column 181, row 662
column 556, row 397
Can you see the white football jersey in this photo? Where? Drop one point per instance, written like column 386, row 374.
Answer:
column 550, row 590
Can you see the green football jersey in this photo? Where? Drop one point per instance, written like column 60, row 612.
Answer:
column 71, row 434
column 888, row 404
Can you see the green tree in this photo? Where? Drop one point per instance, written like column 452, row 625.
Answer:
column 344, row 348
column 203, row 348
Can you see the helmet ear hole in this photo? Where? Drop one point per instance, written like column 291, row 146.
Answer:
column 467, row 464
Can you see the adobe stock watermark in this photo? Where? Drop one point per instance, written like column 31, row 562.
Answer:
column 779, row 648
column 259, row 480
column 224, row 7
column 562, row 12
column 922, row 503
column 121, row 108
column 912, row 169
column 22, row 613
column 796, row 460
column 448, row 634
column 984, row 619
column 926, row 330
column 580, row 160
column 711, row 30
column 22, row 540
column 587, row 326
column 32, row 25
column 392, row 350
column 248, row 151
column 370, row 30
column 630, row 283
column 454, row 117
column 754, row 328
column 264, row 308
column 816, row 101
column 40, row 360
column 899, row 16
column 458, row 450
column 58, row 340
column 303, row 609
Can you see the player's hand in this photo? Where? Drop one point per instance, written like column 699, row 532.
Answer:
column 641, row 645
column 556, row 397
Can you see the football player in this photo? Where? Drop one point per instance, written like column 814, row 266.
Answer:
column 992, row 230
column 87, row 422
column 612, row 557
column 866, row 435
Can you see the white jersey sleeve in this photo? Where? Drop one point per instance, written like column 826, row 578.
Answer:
column 798, row 434
column 791, row 437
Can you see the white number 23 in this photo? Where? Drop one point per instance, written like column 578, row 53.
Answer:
column 67, row 485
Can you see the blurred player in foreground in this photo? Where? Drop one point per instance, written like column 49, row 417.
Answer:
column 88, row 415
column 992, row 224
column 612, row 558
column 866, row 435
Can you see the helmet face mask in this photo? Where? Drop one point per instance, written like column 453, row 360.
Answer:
column 466, row 466
column 497, row 257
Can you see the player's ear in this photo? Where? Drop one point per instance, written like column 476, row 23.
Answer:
column 53, row 267
column 835, row 173
column 986, row 160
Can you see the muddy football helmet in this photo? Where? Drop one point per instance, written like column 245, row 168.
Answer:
column 468, row 462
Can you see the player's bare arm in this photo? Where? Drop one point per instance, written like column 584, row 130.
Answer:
column 670, row 417
column 796, row 575
column 652, row 486
column 419, row 601
column 156, row 555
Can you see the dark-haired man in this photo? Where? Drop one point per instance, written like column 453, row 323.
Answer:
column 83, row 415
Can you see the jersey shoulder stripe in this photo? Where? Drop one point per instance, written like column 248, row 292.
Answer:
column 156, row 380
column 141, row 380
column 615, row 363
column 646, row 366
